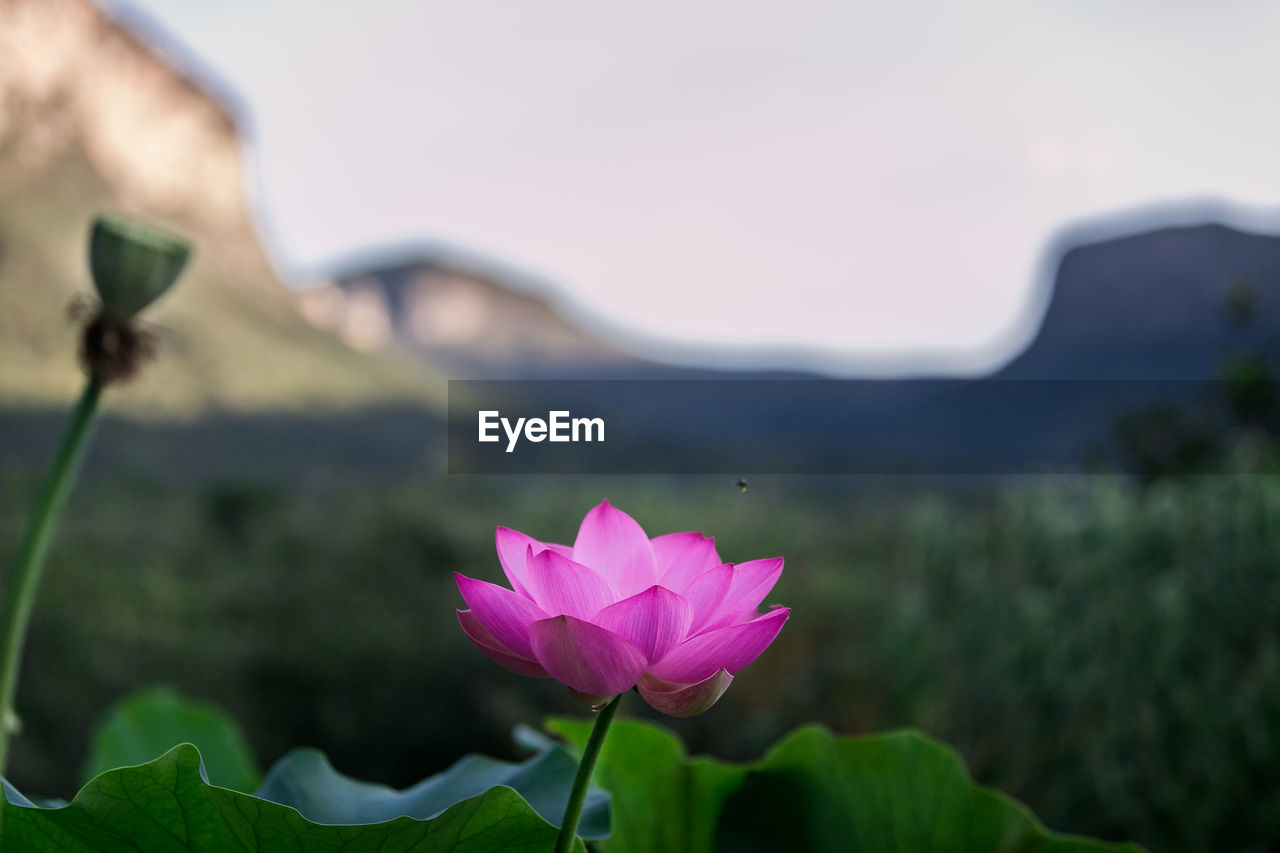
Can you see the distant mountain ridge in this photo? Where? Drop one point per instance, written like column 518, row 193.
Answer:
column 458, row 313
column 99, row 120
column 1155, row 305
column 1152, row 304
column 1137, row 325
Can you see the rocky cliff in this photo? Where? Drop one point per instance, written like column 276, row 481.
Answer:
column 95, row 116
column 75, row 82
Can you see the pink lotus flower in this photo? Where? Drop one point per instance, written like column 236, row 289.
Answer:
column 620, row 610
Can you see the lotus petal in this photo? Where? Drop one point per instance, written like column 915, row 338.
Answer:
column 513, row 547
column 505, row 614
column 586, row 657
column 730, row 648
column 513, row 553
column 654, row 620
column 683, row 557
column 684, row 700
column 707, row 594
column 612, row 543
column 487, row 643
column 752, row 581
column 560, row 585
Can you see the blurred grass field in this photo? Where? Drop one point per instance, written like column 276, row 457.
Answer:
column 1108, row 654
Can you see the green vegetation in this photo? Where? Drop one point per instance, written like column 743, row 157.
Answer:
column 813, row 791
column 1108, row 655
column 894, row 792
column 166, row 806
column 152, row 721
column 1113, row 658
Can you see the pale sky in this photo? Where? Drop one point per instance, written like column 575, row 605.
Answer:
column 838, row 185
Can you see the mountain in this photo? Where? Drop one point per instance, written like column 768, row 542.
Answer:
column 467, row 315
column 1157, row 305
column 1105, row 381
column 1152, row 305
column 92, row 118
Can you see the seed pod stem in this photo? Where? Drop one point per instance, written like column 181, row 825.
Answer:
column 25, row 578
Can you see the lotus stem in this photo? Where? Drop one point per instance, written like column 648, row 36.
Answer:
column 578, row 795
column 25, row 579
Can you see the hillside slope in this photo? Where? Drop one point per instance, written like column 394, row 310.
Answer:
column 231, row 337
column 93, row 119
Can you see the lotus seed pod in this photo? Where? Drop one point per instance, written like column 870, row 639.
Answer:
column 132, row 264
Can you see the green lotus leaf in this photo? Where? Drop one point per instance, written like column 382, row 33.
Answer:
column 166, row 805
column 813, row 791
column 305, row 780
column 146, row 724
